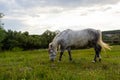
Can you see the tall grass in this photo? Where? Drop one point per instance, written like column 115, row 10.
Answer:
column 35, row 65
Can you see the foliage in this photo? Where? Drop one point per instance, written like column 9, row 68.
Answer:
column 35, row 65
column 47, row 37
column 2, row 31
column 25, row 41
column 1, row 16
column 2, row 37
column 112, row 32
column 112, row 37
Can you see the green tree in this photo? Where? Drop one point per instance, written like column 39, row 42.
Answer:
column 24, row 41
column 1, row 16
column 47, row 37
column 2, row 31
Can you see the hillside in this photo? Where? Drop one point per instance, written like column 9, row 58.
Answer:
column 111, row 32
column 112, row 37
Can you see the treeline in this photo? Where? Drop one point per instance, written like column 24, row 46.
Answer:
column 111, row 32
column 112, row 37
column 13, row 40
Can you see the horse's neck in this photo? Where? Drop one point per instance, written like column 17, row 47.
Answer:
column 55, row 44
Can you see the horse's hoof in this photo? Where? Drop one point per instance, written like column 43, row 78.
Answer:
column 99, row 60
column 70, row 59
column 93, row 61
column 59, row 61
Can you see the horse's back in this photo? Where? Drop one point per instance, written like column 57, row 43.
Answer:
column 77, row 38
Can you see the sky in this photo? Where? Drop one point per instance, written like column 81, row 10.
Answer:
column 37, row 16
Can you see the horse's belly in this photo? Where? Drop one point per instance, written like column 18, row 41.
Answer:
column 79, row 43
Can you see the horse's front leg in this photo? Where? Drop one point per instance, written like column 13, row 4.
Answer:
column 69, row 52
column 61, row 53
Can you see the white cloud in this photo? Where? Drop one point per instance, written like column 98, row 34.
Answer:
column 38, row 16
column 103, row 18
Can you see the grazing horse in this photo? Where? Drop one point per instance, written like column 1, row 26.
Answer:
column 79, row 38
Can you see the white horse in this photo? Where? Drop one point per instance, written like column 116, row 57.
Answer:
column 80, row 38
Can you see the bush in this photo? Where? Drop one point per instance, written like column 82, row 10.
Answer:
column 17, row 49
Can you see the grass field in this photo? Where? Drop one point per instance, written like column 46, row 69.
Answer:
column 35, row 65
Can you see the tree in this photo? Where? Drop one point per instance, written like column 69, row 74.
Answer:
column 24, row 41
column 1, row 16
column 2, row 31
column 47, row 37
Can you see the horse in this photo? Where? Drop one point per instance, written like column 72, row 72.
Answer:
column 78, row 38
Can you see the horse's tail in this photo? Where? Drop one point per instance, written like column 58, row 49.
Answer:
column 101, row 43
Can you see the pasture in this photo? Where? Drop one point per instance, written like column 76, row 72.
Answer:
column 35, row 65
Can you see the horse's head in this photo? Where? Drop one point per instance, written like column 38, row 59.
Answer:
column 52, row 52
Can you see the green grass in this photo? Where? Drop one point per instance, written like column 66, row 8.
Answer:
column 35, row 65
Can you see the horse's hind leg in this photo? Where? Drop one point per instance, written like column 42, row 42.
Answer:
column 69, row 52
column 97, row 52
